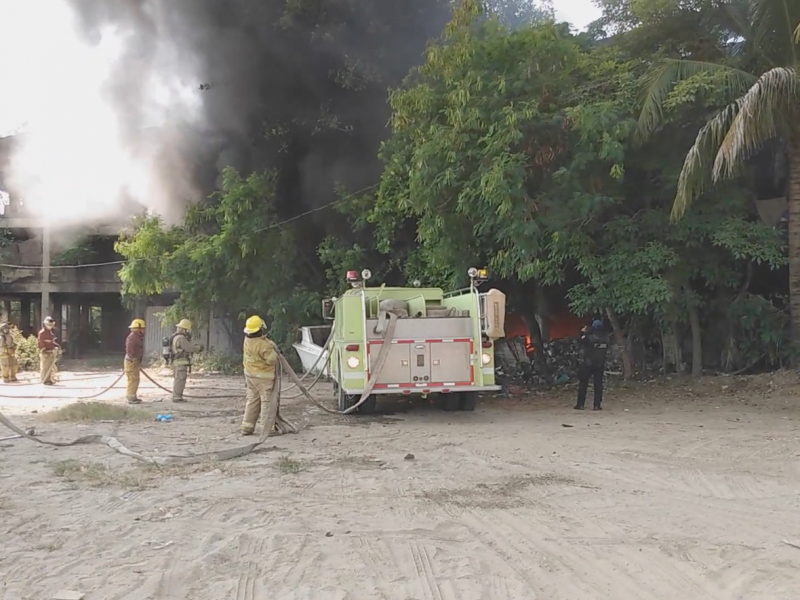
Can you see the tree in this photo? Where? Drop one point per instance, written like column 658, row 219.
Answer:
column 763, row 108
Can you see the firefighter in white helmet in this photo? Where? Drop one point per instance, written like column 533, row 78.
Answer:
column 182, row 348
column 259, row 360
column 49, row 351
column 134, row 353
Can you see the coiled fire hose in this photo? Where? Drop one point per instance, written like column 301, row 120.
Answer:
column 272, row 417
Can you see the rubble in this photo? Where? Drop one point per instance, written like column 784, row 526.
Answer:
column 564, row 356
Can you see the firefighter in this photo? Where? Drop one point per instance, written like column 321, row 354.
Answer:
column 49, row 351
column 134, row 353
column 8, row 354
column 595, row 348
column 259, row 360
column 182, row 349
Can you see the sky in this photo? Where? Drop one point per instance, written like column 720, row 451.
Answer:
column 40, row 58
column 578, row 12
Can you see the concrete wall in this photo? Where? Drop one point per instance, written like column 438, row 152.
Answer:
column 214, row 337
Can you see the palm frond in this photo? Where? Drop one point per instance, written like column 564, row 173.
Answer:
column 697, row 165
column 662, row 80
column 774, row 23
column 797, row 34
column 764, row 112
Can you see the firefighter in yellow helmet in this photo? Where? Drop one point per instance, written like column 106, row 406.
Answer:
column 182, row 348
column 8, row 354
column 259, row 360
column 134, row 353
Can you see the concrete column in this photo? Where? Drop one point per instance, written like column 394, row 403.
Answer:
column 73, row 328
column 37, row 314
column 25, row 317
column 46, row 306
column 7, row 311
column 86, row 319
column 58, row 315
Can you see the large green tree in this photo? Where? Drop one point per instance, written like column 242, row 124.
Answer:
column 760, row 78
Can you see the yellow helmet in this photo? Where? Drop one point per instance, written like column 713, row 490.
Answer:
column 137, row 324
column 254, row 324
column 185, row 324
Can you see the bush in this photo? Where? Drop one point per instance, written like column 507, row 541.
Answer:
column 27, row 351
column 760, row 332
column 217, row 362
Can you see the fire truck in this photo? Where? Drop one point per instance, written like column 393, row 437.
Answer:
column 413, row 341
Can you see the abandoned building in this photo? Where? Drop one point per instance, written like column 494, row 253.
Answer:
column 72, row 275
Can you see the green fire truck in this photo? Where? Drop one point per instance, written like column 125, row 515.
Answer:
column 413, row 340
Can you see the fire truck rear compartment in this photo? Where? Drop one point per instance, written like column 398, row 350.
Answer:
column 425, row 352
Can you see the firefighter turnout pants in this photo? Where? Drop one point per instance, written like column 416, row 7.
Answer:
column 9, row 366
column 181, row 374
column 133, row 370
column 258, row 391
column 47, row 366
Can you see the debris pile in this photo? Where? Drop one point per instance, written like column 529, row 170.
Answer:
column 563, row 357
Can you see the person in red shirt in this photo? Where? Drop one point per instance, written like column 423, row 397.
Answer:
column 134, row 353
column 49, row 351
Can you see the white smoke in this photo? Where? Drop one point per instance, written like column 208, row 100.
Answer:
column 77, row 162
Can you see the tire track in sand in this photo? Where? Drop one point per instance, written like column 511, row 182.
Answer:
column 251, row 584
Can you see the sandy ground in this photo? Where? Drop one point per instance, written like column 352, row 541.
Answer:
column 673, row 492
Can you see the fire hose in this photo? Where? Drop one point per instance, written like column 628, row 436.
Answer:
column 272, row 417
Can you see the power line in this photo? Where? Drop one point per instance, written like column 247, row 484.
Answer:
column 319, row 208
column 273, row 226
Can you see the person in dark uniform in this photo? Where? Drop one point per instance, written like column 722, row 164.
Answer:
column 595, row 350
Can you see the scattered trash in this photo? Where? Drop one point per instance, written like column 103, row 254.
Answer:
column 329, row 534
column 792, row 544
column 566, row 425
column 158, row 545
column 69, row 595
column 409, row 457
column 164, row 418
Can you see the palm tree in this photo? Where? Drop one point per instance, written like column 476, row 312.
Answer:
column 763, row 108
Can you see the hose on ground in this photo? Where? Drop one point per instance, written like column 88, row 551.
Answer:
column 169, row 391
column 273, row 420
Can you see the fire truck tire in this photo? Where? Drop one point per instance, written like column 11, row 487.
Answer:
column 343, row 401
column 449, row 402
column 468, row 401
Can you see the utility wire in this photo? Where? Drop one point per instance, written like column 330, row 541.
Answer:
column 273, row 226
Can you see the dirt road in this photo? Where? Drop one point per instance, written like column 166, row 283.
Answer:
column 670, row 493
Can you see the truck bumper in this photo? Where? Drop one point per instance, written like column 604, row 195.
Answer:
column 408, row 389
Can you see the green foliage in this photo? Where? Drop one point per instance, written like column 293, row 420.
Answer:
column 228, row 257
column 80, row 253
column 526, row 149
column 27, row 351
column 760, row 331
column 223, row 363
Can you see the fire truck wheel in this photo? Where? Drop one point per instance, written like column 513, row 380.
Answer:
column 468, row 401
column 449, row 402
column 343, row 400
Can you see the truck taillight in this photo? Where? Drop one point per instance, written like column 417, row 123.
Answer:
column 352, row 348
column 487, row 344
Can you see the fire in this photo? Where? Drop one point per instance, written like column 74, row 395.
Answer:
column 529, row 347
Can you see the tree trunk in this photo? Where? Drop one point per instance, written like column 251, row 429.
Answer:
column 678, row 342
column 619, row 337
column 793, row 202
column 697, row 345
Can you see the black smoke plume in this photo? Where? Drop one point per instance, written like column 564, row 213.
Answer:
column 297, row 85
